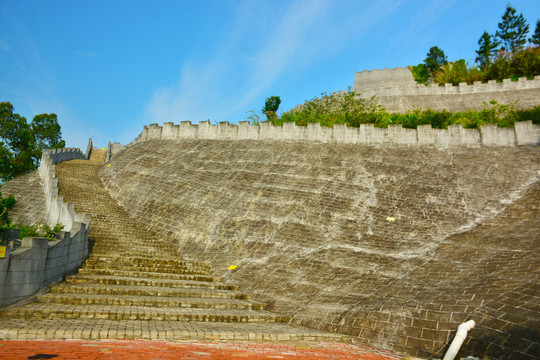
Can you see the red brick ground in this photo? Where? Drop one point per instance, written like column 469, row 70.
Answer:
column 153, row 350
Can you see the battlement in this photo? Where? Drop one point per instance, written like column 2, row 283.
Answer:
column 397, row 91
column 524, row 133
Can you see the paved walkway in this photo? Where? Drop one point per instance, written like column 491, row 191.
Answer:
column 153, row 350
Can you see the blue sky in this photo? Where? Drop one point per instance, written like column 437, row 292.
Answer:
column 107, row 68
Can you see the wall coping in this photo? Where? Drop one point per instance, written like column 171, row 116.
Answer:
column 524, row 133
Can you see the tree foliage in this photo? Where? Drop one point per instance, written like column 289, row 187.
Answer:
column 535, row 39
column 6, row 203
column 513, row 30
column 420, row 73
column 271, row 106
column 21, row 144
column 494, row 62
column 435, row 58
column 486, row 47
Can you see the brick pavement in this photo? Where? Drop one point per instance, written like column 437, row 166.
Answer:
column 149, row 350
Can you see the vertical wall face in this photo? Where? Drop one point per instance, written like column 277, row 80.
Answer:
column 375, row 80
column 526, row 133
column 306, row 223
column 38, row 263
column 397, row 91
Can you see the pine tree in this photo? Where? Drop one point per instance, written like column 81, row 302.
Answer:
column 435, row 58
column 513, row 30
column 487, row 43
column 535, row 39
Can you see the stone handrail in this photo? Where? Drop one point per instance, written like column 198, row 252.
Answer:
column 38, row 262
column 524, row 133
column 57, row 210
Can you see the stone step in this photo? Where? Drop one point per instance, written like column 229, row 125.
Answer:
column 165, row 270
column 170, row 262
column 147, row 291
column 151, row 301
column 134, row 281
column 152, row 265
column 96, row 329
column 148, row 274
column 119, row 312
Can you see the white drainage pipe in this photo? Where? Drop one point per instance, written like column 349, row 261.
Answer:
column 460, row 337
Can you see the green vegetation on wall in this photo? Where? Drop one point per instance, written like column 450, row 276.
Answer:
column 500, row 56
column 37, row 230
column 349, row 108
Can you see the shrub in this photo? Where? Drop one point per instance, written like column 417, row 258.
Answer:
column 39, row 230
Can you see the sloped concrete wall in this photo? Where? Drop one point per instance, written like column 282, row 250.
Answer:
column 393, row 245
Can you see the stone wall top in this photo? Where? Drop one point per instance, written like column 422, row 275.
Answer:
column 524, row 133
column 400, row 82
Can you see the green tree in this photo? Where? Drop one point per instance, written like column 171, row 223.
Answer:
column 435, row 58
column 21, row 144
column 486, row 45
column 535, row 39
column 420, row 73
column 271, row 106
column 513, row 30
column 6, row 204
column 452, row 73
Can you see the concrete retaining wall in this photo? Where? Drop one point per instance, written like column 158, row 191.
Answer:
column 38, row 262
column 524, row 133
column 397, row 91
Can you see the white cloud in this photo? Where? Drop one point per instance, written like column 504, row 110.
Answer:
column 280, row 42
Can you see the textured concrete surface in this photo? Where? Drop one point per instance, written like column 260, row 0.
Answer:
column 394, row 246
column 28, row 190
column 398, row 92
column 135, row 285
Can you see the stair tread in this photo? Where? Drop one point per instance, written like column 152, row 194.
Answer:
column 172, row 283
column 30, row 329
column 149, row 274
column 158, row 299
column 33, row 307
column 161, row 291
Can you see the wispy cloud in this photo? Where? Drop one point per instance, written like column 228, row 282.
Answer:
column 30, row 84
column 301, row 35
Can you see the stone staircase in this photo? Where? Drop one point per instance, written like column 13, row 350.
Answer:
column 135, row 285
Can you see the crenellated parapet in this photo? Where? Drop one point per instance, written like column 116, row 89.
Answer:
column 397, row 91
column 524, row 133
column 37, row 262
column 59, row 211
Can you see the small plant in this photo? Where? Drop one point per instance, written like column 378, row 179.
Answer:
column 39, row 230
column 6, row 203
column 254, row 118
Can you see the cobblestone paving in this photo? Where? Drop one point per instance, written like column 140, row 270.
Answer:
column 135, row 285
column 140, row 349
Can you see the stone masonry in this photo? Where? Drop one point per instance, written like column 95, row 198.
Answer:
column 392, row 245
column 398, row 92
column 136, row 285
